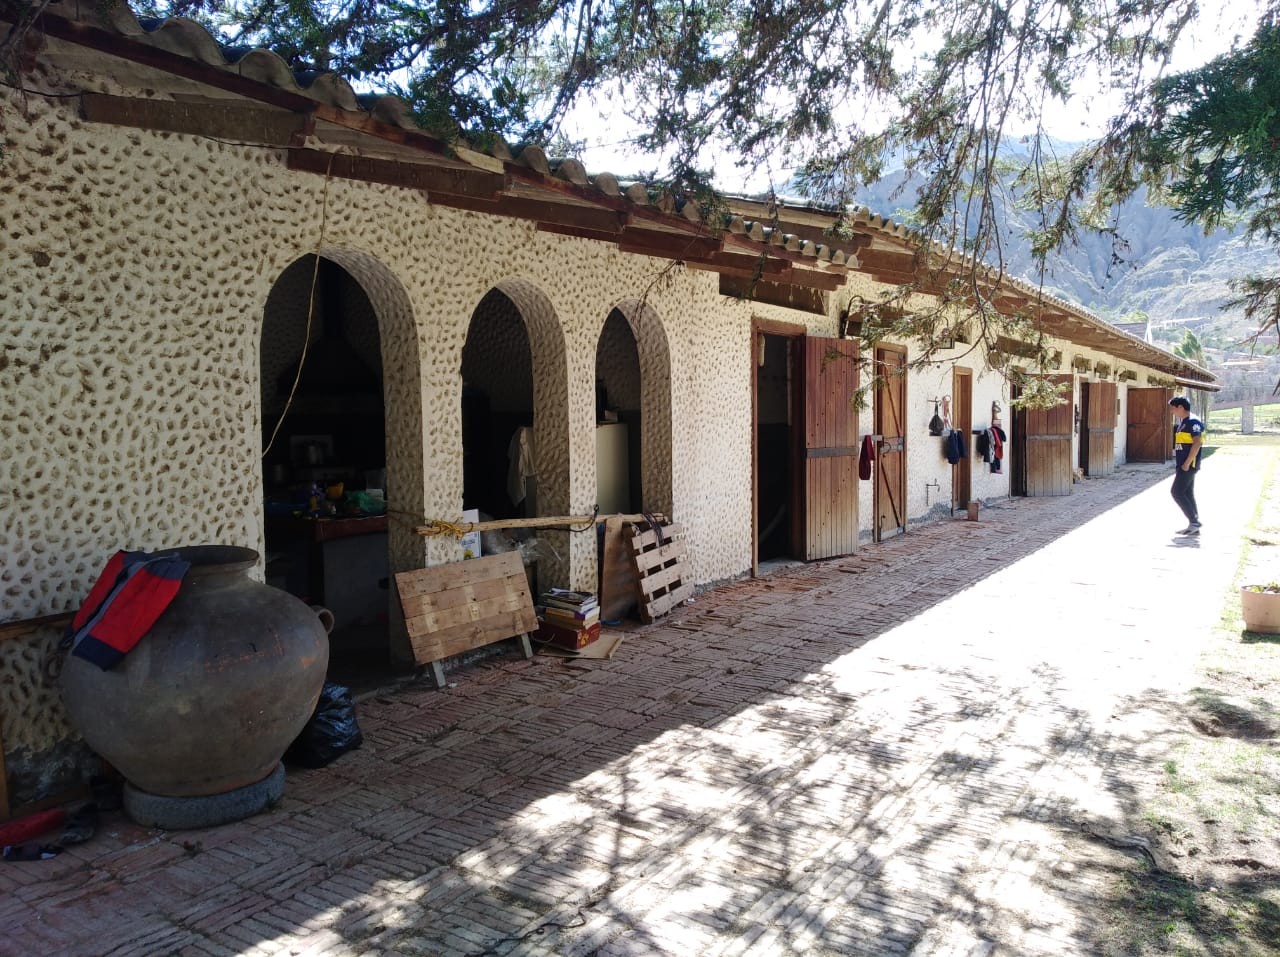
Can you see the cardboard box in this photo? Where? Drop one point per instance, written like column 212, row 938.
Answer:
column 470, row 542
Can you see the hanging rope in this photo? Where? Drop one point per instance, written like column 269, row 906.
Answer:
column 311, row 307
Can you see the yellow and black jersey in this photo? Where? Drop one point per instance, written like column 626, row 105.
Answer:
column 1184, row 434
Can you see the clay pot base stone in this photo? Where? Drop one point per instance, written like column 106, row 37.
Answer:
column 209, row 810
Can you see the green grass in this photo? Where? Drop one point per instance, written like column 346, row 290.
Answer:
column 1228, row 420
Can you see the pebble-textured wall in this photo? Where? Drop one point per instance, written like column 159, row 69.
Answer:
column 138, row 267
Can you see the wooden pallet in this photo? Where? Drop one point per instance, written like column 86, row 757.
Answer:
column 449, row 609
column 663, row 574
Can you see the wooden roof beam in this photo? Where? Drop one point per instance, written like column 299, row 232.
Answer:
column 438, row 181
column 899, row 264
column 588, row 222
column 228, row 120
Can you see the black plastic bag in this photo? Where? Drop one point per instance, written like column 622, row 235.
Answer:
column 332, row 730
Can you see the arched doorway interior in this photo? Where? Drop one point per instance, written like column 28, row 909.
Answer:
column 619, row 479
column 633, row 387
column 515, row 417
column 335, row 463
column 497, row 403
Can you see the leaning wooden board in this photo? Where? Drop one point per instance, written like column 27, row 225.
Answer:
column 618, row 592
column 663, row 574
column 449, row 609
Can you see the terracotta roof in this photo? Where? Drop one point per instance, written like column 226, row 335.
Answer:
column 195, row 84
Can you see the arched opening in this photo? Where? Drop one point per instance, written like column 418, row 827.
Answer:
column 633, row 412
column 619, row 479
column 497, row 405
column 334, row 460
column 515, row 460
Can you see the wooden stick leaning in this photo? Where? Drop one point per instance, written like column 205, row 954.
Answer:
column 26, row 626
column 551, row 521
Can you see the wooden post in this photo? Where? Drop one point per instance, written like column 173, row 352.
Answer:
column 551, row 521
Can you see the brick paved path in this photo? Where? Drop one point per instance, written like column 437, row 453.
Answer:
column 872, row 755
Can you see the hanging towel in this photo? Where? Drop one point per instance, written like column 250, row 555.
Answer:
column 130, row 594
column 520, row 454
column 866, row 457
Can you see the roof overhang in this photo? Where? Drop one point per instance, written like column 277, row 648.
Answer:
column 174, row 76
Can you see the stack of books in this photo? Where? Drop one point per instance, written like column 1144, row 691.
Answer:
column 569, row 619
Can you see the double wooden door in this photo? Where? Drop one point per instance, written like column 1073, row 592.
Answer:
column 830, row 447
column 1148, row 422
column 891, row 452
column 962, row 421
column 1099, row 410
column 1042, row 446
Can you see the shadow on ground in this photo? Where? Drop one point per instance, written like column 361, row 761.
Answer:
column 714, row 788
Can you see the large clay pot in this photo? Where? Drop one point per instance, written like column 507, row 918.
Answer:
column 209, row 699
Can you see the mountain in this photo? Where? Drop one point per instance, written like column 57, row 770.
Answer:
column 1170, row 270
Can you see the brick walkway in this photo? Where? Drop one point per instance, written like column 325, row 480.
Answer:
column 872, row 755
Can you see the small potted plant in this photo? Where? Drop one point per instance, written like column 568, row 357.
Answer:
column 1260, row 606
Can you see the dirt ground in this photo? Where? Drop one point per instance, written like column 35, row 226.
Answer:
column 1199, row 870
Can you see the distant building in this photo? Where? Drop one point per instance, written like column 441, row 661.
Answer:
column 1140, row 329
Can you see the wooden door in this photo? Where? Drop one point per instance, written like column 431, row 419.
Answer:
column 830, row 448
column 1098, row 412
column 962, row 420
column 1045, row 445
column 891, row 453
column 1148, row 437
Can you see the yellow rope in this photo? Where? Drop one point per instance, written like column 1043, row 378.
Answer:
column 438, row 526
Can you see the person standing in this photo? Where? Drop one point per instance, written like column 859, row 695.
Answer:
column 1188, row 435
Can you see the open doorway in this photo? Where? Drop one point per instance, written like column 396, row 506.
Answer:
column 778, row 434
column 619, row 449
column 325, row 458
column 497, row 412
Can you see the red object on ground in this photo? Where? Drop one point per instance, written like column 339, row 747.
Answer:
column 32, row 826
column 562, row 637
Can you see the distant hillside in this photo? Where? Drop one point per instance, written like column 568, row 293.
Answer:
column 1172, row 271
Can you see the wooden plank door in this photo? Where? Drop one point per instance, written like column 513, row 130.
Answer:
column 962, row 420
column 1098, row 428
column 891, row 453
column 1147, row 427
column 830, row 447
column 1046, row 441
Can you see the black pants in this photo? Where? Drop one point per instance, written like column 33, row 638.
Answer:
column 1184, row 493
